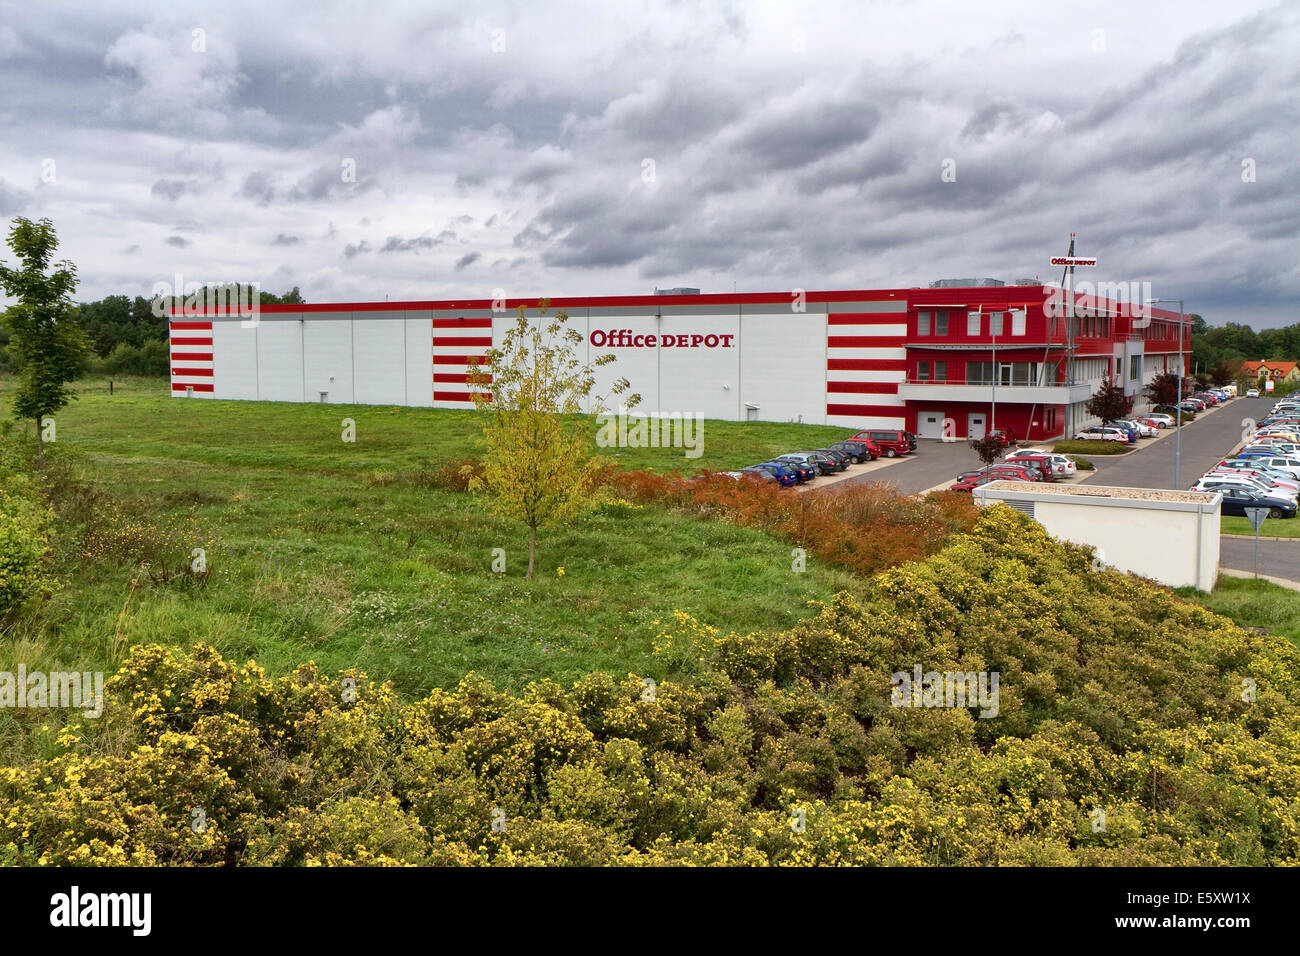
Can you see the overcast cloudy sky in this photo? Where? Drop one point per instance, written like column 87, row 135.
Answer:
column 422, row 150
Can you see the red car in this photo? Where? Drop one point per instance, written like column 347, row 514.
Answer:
column 1004, row 436
column 986, row 477
column 890, row 442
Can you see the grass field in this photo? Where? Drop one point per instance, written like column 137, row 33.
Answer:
column 1271, row 528
column 1253, row 603
column 335, row 552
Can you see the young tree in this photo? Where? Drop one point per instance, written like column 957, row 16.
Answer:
column 1221, row 374
column 1109, row 403
column 988, row 448
column 46, row 343
column 1163, row 389
column 539, row 462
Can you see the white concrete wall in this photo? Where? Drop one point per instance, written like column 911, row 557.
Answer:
column 1177, row 547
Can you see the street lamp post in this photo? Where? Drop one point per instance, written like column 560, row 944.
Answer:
column 1178, row 406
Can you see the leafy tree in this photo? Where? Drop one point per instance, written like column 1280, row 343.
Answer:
column 48, row 345
column 1163, row 389
column 539, row 465
column 1221, row 374
column 988, row 448
column 1109, row 402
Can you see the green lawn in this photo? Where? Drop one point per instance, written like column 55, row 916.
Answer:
column 1271, row 528
column 333, row 551
column 1253, row 603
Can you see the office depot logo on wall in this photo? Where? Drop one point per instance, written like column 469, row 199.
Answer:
column 626, row 339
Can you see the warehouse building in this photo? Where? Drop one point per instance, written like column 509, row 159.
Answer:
column 946, row 361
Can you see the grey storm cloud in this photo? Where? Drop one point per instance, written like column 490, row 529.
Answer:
column 812, row 163
column 398, row 244
column 172, row 189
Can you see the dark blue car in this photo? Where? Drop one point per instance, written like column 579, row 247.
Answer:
column 781, row 473
column 1237, row 500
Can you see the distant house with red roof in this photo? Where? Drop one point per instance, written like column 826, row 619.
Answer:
column 1277, row 371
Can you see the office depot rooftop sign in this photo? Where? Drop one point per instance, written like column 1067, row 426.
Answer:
column 626, row 339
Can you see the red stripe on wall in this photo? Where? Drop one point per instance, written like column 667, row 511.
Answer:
column 187, row 340
column 454, row 397
column 869, row 365
column 867, row 318
column 864, row 341
column 199, row 387
column 458, row 359
column 205, row 326
column 191, row 356
column 865, row 388
column 464, row 341
column 461, row 377
column 879, row 411
column 192, row 372
column 462, row 323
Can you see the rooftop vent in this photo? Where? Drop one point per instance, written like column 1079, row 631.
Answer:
column 679, row 290
column 965, row 283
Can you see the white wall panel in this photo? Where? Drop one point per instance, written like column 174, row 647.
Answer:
column 380, row 360
column 783, row 366
column 279, row 359
column 234, row 360
column 419, row 359
column 327, row 350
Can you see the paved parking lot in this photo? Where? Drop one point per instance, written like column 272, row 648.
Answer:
column 932, row 461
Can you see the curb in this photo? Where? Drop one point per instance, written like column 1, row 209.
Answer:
column 1251, row 537
column 1281, row 582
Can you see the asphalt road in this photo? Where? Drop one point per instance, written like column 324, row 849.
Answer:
column 932, row 462
column 1206, row 442
column 1281, row 559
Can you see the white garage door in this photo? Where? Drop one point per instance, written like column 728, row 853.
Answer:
column 929, row 424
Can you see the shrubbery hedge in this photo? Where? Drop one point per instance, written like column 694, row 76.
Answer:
column 1115, row 696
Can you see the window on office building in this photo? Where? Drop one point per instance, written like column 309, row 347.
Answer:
column 973, row 323
column 923, row 323
column 1135, row 367
column 923, row 371
column 995, row 323
column 941, row 371
column 941, row 323
column 1018, row 322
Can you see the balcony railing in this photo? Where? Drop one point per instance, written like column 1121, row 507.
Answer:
column 986, row 382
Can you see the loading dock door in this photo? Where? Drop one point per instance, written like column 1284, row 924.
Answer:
column 929, row 424
column 975, row 423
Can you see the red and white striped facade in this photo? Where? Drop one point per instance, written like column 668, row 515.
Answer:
column 853, row 358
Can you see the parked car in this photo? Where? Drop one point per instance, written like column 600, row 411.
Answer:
column 1127, row 427
column 1170, row 410
column 806, row 470
column 784, row 475
column 1100, row 433
column 841, row 458
column 1026, row 472
column 911, row 440
column 859, row 451
column 1156, row 421
column 1258, row 466
column 891, row 442
column 1280, row 484
column 1252, row 393
column 1062, row 466
column 834, row 460
column 1283, row 465
column 985, row 479
column 1237, row 500
column 1042, row 462
column 1145, row 429
column 1270, row 450
column 1241, row 481
column 1006, row 437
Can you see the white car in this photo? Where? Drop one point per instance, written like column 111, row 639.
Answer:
column 1289, row 466
column 1252, row 393
column 1161, row 417
column 1291, row 487
column 1210, row 482
column 1101, row 433
column 1144, row 430
column 1062, row 465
